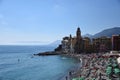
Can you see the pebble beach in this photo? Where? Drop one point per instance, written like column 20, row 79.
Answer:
column 95, row 66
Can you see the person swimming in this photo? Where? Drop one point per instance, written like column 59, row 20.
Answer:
column 18, row 60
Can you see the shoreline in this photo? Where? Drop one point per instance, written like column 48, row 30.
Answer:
column 93, row 66
column 54, row 53
column 74, row 70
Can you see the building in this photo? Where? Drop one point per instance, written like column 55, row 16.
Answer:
column 79, row 42
column 87, row 45
column 65, row 44
column 76, row 44
column 116, row 42
column 73, row 44
column 102, row 44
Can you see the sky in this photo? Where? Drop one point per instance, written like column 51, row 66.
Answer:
column 45, row 21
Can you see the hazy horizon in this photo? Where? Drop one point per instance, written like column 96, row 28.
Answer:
column 42, row 22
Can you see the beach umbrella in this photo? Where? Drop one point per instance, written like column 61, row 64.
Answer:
column 109, row 70
column 93, row 79
column 116, row 70
column 81, row 78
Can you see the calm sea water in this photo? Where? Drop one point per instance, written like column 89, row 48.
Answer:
column 32, row 68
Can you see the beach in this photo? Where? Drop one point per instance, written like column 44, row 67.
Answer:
column 95, row 66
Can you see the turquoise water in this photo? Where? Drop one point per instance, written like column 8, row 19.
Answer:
column 32, row 68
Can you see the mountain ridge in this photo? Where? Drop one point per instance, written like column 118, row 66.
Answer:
column 106, row 32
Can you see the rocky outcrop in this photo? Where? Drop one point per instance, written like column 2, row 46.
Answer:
column 50, row 53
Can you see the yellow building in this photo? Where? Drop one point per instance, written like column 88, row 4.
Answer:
column 87, row 43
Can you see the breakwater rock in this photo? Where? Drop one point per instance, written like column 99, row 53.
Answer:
column 50, row 53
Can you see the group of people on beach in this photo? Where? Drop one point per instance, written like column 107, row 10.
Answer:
column 95, row 67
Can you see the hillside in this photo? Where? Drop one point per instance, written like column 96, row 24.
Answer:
column 108, row 32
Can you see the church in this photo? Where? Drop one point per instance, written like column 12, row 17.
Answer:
column 79, row 46
column 73, row 44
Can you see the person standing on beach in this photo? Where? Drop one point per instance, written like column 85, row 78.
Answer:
column 66, row 78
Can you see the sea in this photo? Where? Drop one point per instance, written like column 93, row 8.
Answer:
column 18, row 63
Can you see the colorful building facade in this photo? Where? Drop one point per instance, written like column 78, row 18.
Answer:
column 78, row 44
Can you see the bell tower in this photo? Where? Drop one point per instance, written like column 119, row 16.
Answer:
column 78, row 34
column 78, row 46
